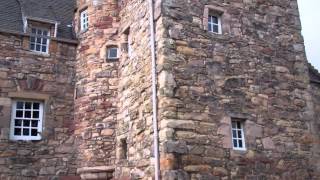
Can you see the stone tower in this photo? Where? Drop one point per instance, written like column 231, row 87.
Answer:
column 233, row 99
column 96, row 88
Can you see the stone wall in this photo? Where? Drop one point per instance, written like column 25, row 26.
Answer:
column 44, row 77
column 255, row 70
column 134, row 127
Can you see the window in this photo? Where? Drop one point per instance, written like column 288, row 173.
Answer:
column 84, row 20
column 238, row 140
column 26, row 122
column 124, row 149
column 39, row 40
column 214, row 24
column 113, row 53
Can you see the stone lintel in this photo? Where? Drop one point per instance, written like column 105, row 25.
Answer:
column 29, row 95
column 97, row 172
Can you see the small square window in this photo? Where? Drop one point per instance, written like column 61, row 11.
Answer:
column 214, row 24
column 238, row 139
column 84, row 20
column 39, row 40
column 113, row 53
column 26, row 122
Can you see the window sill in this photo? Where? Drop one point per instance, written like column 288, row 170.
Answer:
column 112, row 59
column 239, row 150
column 39, row 53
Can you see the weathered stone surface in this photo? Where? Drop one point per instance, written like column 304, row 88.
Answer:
column 98, row 114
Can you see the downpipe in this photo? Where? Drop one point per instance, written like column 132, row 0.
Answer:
column 154, row 93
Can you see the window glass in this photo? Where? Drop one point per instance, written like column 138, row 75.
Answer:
column 112, row 53
column 84, row 20
column 238, row 139
column 26, row 120
column 214, row 24
column 38, row 40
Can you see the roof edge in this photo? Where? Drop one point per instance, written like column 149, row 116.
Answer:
column 313, row 70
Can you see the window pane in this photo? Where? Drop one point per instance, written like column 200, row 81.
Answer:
column 238, row 124
column 38, row 48
column 39, row 32
column 32, row 46
column 215, row 28
column 26, row 123
column 35, row 114
column 26, row 132
column 39, row 40
column 240, row 144
column 34, row 132
column 28, row 105
column 45, row 33
column 44, row 41
column 234, row 125
column 32, row 39
column 19, row 113
column 19, row 105
column 214, row 19
column 17, row 122
column 36, row 105
column 209, row 27
column 27, row 114
column 17, row 132
column 33, row 30
column 34, row 123
column 234, row 133
column 44, row 49
column 239, row 134
column 113, row 53
column 235, row 143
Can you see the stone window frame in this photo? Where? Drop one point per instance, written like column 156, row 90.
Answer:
column 84, row 21
column 31, row 120
column 36, row 37
column 235, row 130
column 223, row 18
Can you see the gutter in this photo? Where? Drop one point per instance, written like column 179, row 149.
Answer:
column 154, row 93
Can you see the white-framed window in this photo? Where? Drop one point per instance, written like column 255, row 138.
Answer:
column 112, row 53
column 214, row 24
column 39, row 40
column 238, row 139
column 84, row 20
column 26, row 120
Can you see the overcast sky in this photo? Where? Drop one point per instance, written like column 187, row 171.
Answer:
column 310, row 18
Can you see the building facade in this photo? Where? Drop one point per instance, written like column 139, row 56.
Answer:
column 235, row 95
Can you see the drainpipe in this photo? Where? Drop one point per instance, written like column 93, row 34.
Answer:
column 154, row 93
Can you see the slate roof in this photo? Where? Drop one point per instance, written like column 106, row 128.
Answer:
column 11, row 12
column 314, row 73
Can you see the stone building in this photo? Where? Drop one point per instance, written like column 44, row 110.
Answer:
column 232, row 95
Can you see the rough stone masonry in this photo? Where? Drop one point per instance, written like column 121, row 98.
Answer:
column 97, row 115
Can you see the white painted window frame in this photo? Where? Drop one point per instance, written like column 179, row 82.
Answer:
column 212, row 24
column 41, row 36
column 237, row 129
column 13, row 118
column 84, row 20
column 109, row 52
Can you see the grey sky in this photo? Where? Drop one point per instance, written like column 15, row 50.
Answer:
column 310, row 18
